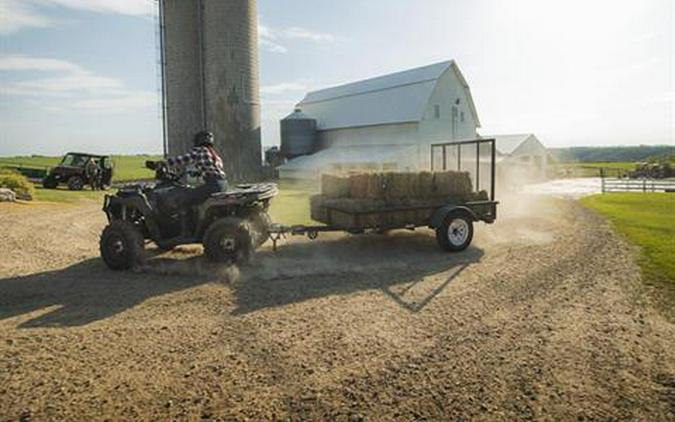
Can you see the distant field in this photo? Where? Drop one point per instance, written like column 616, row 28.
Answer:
column 127, row 167
column 592, row 169
column 648, row 220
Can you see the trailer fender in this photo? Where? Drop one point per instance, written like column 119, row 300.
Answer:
column 439, row 215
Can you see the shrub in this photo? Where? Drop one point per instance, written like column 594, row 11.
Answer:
column 17, row 182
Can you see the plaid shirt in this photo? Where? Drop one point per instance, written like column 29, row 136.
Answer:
column 207, row 162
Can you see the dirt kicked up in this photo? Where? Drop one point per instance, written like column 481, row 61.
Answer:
column 544, row 317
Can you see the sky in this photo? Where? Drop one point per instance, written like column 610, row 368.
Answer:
column 83, row 74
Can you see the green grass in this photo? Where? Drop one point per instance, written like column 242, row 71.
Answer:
column 291, row 206
column 127, row 167
column 62, row 194
column 592, row 169
column 623, row 165
column 648, row 220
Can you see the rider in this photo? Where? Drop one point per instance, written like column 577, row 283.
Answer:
column 207, row 165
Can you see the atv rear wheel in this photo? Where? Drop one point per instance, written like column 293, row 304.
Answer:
column 228, row 240
column 49, row 183
column 75, row 183
column 121, row 245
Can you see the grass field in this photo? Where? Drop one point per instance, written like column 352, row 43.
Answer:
column 291, row 206
column 127, row 167
column 648, row 220
column 62, row 194
column 592, row 169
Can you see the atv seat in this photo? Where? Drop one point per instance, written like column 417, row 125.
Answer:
column 257, row 191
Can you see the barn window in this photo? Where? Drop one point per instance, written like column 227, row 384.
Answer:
column 437, row 112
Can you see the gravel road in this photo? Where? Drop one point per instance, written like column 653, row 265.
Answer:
column 544, row 318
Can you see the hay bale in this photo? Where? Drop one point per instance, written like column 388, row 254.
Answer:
column 358, row 186
column 401, row 185
column 317, row 209
column 335, row 186
column 425, row 185
column 452, row 183
column 377, row 185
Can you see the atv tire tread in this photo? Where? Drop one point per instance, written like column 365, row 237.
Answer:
column 239, row 230
column 133, row 244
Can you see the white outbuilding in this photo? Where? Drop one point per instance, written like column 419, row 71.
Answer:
column 520, row 158
column 387, row 122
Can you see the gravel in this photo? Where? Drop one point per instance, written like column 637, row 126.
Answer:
column 545, row 317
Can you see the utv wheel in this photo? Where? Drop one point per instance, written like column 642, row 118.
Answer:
column 49, row 183
column 455, row 233
column 121, row 245
column 260, row 224
column 228, row 240
column 75, row 183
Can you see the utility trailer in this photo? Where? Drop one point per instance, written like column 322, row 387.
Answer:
column 450, row 218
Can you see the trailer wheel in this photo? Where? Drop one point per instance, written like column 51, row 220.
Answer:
column 121, row 245
column 228, row 240
column 455, row 233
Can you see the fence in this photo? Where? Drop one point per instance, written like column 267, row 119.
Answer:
column 610, row 184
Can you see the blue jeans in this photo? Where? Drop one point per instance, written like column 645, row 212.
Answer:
column 190, row 197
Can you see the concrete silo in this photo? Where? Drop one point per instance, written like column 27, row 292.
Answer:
column 210, row 79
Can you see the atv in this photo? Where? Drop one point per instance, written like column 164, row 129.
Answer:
column 71, row 171
column 230, row 225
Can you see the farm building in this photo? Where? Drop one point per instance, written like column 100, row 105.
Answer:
column 521, row 156
column 384, row 122
column 388, row 124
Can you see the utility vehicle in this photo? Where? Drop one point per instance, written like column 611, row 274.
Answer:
column 71, row 171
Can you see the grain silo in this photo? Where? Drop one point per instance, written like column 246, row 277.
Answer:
column 298, row 135
column 210, row 79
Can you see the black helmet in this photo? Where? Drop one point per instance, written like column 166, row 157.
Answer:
column 203, row 138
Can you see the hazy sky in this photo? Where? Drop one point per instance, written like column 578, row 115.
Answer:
column 82, row 74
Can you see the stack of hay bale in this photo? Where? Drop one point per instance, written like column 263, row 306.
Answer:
column 388, row 199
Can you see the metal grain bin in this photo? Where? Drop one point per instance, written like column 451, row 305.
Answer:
column 298, row 135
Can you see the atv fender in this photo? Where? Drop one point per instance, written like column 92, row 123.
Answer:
column 136, row 202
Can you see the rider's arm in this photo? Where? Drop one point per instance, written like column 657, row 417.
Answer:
column 182, row 160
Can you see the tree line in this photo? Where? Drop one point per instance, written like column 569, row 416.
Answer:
column 614, row 154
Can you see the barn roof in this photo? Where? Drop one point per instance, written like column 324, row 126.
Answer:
column 400, row 97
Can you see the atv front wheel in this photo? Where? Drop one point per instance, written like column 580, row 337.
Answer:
column 75, row 183
column 121, row 245
column 228, row 240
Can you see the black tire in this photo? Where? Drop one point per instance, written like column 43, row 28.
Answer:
column 456, row 232
column 260, row 224
column 49, row 183
column 228, row 240
column 121, row 245
column 75, row 183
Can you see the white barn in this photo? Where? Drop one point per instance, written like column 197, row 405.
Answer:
column 387, row 122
